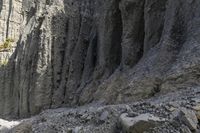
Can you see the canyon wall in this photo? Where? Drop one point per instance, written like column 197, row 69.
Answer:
column 10, row 26
column 75, row 52
column 10, row 19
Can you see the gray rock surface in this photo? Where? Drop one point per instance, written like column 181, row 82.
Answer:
column 88, row 119
column 75, row 52
column 189, row 118
column 11, row 18
column 139, row 124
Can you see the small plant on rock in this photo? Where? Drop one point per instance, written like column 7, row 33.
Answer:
column 7, row 45
column 4, row 62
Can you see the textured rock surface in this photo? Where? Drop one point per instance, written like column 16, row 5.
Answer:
column 6, row 125
column 139, row 124
column 11, row 18
column 88, row 119
column 189, row 118
column 75, row 52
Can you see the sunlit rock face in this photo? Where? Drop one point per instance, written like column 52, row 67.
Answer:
column 7, row 125
column 74, row 52
column 11, row 18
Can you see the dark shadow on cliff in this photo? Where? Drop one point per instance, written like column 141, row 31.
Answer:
column 9, row 15
column 1, row 5
column 7, row 77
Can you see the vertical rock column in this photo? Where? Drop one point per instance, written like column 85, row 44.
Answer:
column 10, row 22
column 10, row 19
column 133, row 31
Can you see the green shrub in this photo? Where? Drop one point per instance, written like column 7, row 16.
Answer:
column 7, row 45
column 4, row 62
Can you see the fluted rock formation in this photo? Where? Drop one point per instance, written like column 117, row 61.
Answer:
column 10, row 19
column 75, row 52
column 10, row 25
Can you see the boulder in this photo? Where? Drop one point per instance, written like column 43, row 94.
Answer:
column 78, row 129
column 197, row 109
column 189, row 118
column 198, row 115
column 140, row 123
column 185, row 129
column 104, row 116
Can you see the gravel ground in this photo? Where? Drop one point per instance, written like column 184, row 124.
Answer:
column 105, row 119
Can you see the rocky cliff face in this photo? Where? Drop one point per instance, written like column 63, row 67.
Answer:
column 10, row 25
column 10, row 19
column 75, row 52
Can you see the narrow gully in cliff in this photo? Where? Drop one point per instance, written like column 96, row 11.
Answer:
column 8, row 19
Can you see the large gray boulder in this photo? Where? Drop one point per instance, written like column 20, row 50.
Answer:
column 139, row 124
column 189, row 118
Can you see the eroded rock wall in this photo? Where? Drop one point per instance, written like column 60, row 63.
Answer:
column 92, row 51
column 11, row 17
